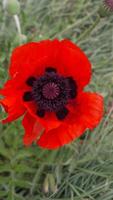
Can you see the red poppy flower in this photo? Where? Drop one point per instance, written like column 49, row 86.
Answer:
column 46, row 85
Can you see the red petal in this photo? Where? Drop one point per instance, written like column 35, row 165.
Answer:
column 32, row 58
column 32, row 128
column 88, row 112
column 13, row 107
column 14, row 85
column 89, row 109
column 54, row 138
column 48, row 122
column 75, row 62
column 12, row 103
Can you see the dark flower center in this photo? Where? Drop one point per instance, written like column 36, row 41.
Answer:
column 51, row 92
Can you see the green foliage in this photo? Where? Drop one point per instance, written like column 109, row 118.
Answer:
column 82, row 170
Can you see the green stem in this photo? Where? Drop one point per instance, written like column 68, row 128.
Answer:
column 17, row 22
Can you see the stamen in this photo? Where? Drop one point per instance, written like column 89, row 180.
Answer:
column 51, row 69
column 30, row 81
column 51, row 92
column 61, row 114
column 27, row 96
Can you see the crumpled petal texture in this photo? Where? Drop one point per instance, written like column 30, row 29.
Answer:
column 88, row 112
column 31, row 59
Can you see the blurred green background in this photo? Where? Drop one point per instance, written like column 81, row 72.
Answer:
column 82, row 170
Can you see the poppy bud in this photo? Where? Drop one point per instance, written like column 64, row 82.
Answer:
column 12, row 6
column 52, row 184
column 46, row 185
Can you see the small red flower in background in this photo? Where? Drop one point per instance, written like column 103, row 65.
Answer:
column 46, row 85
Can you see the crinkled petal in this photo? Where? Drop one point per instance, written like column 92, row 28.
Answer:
column 13, row 107
column 75, row 62
column 32, row 128
column 89, row 108
column 48, row 122
column 87, row 113
column 69, row 60
column 12, row 103
column 32, row 58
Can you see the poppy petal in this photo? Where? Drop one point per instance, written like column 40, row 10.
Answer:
column 13, row 98
column 32, row 128
column 32, row 58
column 12, row 103
column 88, row 109
column 13, row 108
column 88, row 113
column 49, row 121
column 76, row 63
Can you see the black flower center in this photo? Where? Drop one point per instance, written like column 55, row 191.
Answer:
column 51, row 92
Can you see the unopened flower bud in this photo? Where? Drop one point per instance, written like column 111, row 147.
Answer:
column 46, row 185
column 52, row 183
column 12, row 7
